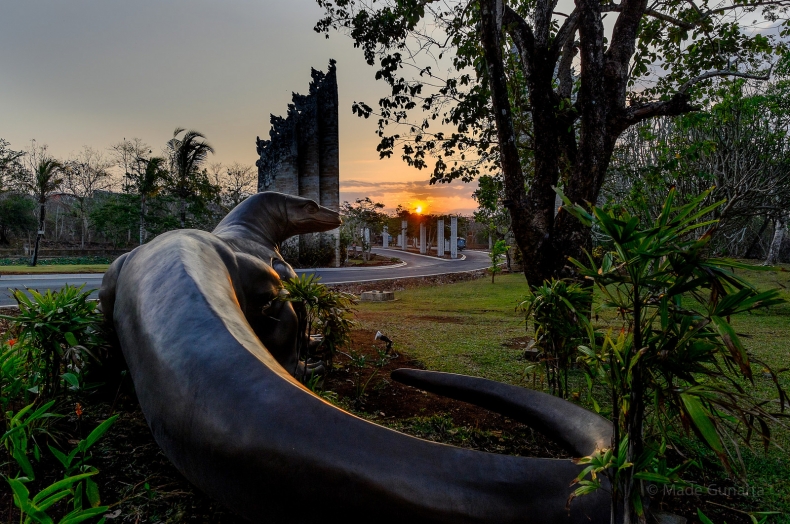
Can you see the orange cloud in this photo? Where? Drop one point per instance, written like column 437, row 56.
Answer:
column 438, row 198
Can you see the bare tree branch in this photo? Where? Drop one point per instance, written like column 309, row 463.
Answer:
column 567, row 30
column 521, row 33
column 721, row 10
column 711, row 74
column 616, row 8
column 677, row 105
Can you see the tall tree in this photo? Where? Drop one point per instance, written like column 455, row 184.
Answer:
column 9, row 164
column 17, row 215
column 739, row 146
column 362, row 214
column 540, row 94
column 148, row 179
column 236, row 182
column 188, row 153
column 86, row 173
column 42, row 181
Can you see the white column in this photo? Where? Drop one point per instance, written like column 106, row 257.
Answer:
column 423, row 248
column 454, row 237
column 385, row 237
column 440, row 238
column 336, row 241
column 403, row 226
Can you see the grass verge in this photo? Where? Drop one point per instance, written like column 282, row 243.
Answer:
column 472, row 328
column 44, row 270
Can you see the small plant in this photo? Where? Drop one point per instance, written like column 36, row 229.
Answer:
column 676, row 362
column 60, row 330
column 76, row 462
column 556, row 310
column 21, row 428
column 358, row 364
column 35, row 509
column 14, row 383
column 316, row 384
column 497, row 253
column 321, row 310
column 77, row 484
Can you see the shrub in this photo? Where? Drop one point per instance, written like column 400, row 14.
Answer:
column 321, row 310
column 676, row 362
column 60, row 330
column 497, row 253
column 556, row 310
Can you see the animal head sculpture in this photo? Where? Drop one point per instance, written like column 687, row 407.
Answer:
column 270, row 218
column 191, row 311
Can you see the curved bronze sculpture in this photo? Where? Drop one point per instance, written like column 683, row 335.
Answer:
column 199, row 325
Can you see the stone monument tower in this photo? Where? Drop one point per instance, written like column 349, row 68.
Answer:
column 301, row 156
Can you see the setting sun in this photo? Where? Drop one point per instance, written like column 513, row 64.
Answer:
column 419, row 209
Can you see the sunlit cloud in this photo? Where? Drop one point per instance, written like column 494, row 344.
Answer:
column 438, row 198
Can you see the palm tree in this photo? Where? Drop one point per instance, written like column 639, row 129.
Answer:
column 147, row 184
column 43, row 183
column 188, row 153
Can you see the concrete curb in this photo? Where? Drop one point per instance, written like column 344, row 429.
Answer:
column 443, row 273
column 462, row 257
column 336, row 269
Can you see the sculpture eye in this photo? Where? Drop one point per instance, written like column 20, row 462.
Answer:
column 312, row 207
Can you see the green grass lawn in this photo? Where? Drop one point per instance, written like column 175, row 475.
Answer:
column 38, row 270
column 467, row 327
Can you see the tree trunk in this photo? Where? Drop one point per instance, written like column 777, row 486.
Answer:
column 84, row 228
column 776, row 243
column 183, row 212
column 748, row 253
column 142, row 219
column 41, row 217
column 531, row 226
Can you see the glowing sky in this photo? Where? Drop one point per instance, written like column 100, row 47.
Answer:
column 93, row 72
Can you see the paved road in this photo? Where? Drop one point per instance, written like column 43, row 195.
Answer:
column 414, row 266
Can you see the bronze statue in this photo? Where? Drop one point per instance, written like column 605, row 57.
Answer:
column 209, row 348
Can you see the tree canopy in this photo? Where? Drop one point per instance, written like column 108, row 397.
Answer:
column 542, row 94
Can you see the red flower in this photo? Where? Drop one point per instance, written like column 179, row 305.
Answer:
column 11, row 342
column 78, row 410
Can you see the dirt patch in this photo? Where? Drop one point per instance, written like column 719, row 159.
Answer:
column 5, row 324
column 425, row 414
column 517, row 343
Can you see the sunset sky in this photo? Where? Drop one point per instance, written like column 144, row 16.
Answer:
column 93, row 72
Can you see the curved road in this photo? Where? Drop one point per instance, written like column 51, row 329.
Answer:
column 413, row 266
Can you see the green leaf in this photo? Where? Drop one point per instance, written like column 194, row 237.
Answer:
column 20, row 490
column 72, row 380
column 52, row 499
column 100, row 430
column 70, row 338
column 61, row 484
column 733, row 344
column 75, row 518
column 702, row 518
column 23, row 502
column 703, row 422
column 92, row 492
column 24, row 463
column 65, row 461
column 652, row 477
